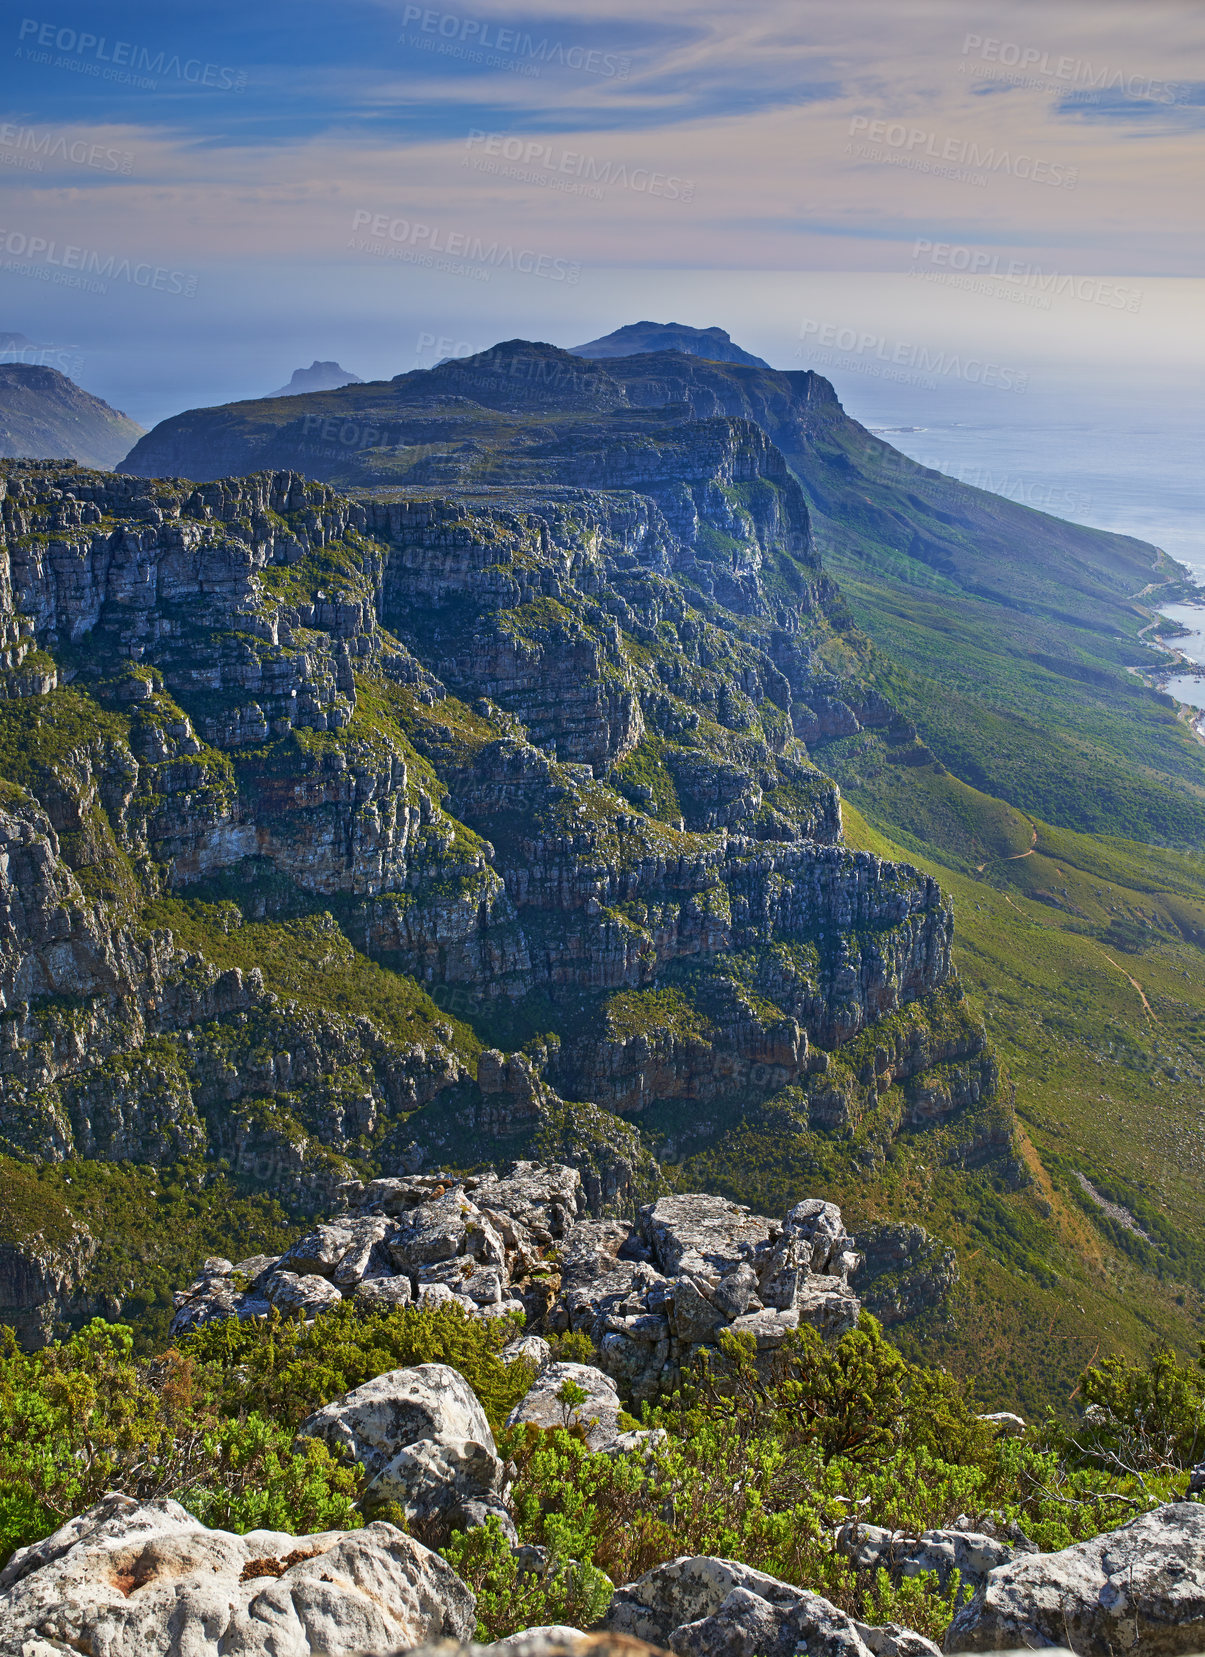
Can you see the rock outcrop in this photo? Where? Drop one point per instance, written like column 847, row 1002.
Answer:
column 649, row 1293
column 147, row 1580
column 1140, row 1588
column 697, row 1606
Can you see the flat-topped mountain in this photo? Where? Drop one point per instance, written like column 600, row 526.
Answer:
column 44, row 415
column 713, row 343
column 319, row 376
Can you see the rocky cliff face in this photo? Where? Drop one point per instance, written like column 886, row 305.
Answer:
column 541, row 752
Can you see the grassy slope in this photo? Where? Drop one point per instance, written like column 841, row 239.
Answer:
column 1108, row 1084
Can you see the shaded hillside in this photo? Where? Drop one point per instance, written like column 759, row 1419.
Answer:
column 44, row 415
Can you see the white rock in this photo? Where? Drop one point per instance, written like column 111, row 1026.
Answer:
column 308, row 1295
column 534, row 1348
column 1140, row 1588
column 147, row 1580
column 424, row 1443
column 698, row 1606
column 599, row 1414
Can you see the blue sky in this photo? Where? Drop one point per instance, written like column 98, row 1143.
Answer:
column 244, row 187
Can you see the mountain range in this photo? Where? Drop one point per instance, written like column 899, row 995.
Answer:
column 487, row 760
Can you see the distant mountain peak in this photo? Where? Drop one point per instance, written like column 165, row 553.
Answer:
column 638, row 338
column 319, row 376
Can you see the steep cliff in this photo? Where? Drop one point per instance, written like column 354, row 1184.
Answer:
column 283, row 769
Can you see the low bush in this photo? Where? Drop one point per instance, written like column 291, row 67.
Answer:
column 755, row 1457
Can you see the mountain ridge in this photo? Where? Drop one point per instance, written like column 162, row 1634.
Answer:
column 43, row 412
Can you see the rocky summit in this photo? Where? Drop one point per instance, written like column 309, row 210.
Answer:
column 649, row 1295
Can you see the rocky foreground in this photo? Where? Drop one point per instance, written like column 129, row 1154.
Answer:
column 132, row 1579
column 147, row 1580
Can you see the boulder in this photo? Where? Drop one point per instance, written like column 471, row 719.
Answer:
column 545, row 1198
column 318, row 1252
column 971, row 1553
column 599, row 1414
column 304, row 1295
column 532, row 1349
column 698, row 1606
column 130, row 1579
column 1138, row 1589
column 424, row 1443
column 383, row 1294
column 701, row 1234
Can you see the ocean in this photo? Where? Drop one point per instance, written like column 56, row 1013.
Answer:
column 1117, row 457
column 1127, row 463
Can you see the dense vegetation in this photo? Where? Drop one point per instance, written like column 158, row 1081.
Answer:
column 756, row 1460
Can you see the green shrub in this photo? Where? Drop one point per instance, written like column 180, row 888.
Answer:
column 83, row 1417
column 513, row 1593
column 284, row 1368
column 1139, row 1419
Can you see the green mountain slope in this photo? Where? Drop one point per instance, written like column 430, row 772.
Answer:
column 45, row 415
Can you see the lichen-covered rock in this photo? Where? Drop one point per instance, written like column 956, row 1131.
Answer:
column 1138, row 1589
column 423, row 1440
column 971, row 1553
column 148, row 1580
column 531, row 1349
column 302, row 1296
column 707, row 1235
column 597, row 1413
column 699, row 1606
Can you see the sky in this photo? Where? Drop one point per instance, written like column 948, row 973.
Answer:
column 197, row 199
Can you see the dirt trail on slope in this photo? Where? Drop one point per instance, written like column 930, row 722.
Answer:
column 1134, row 982
column 1012, row 857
